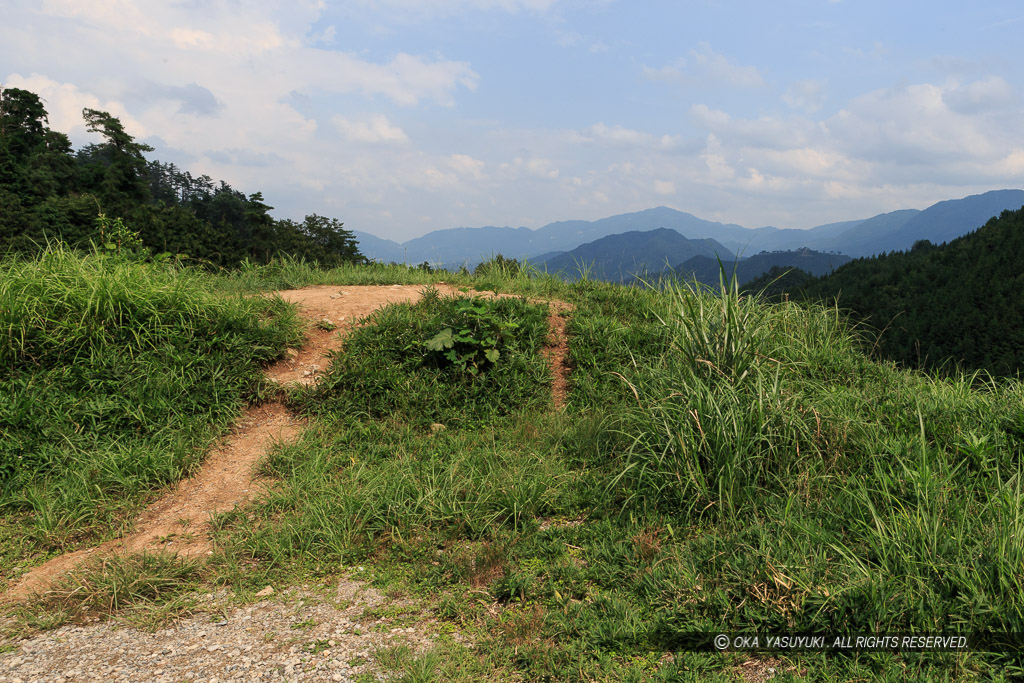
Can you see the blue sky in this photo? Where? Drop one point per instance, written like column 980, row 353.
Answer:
column 403, row 116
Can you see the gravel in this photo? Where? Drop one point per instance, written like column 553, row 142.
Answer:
column 294, row 635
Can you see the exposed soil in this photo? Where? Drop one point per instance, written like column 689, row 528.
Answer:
column 557, row 352
column 179, row 521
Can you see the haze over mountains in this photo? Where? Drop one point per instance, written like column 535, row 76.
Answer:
column 620, row 256
column 555, row 243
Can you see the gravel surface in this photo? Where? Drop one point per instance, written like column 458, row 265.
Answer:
column 296, row 635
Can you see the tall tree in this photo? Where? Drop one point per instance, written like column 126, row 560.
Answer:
column 116, row 167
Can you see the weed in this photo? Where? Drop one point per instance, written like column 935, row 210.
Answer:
column 317, row 646
column 145, row 590
column 447, row 360
column 120, row 374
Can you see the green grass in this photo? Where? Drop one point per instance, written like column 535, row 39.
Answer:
column 722, row 464
column 118, row 376
column 295, row 273
column 145, row 591
column 386, row 367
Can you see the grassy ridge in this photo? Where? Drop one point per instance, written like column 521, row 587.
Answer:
column 793, row 485
column 117, row 376
column 722, row 464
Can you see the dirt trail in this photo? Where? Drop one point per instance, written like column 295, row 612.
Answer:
column 179, row 521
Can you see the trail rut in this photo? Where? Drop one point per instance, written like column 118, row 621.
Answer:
column 179, row 521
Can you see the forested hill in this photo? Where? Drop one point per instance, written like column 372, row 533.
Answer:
column 706, row 270
column 629, row 254
column 963, row 300
column 49, row 191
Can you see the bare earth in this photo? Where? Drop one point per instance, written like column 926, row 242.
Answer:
column 179, row 523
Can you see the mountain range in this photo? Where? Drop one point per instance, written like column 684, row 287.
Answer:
column 897, row 230
column 635, row 253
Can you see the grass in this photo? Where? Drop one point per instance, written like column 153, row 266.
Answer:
column 722, row 464
column 144, row 591
column 119, row 376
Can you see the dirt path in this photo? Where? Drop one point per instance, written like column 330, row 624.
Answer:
column 295, row 635
column 179, row 521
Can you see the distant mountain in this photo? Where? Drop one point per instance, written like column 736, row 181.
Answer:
column 621, row 256
column 862, row 237
column 457, row 246
column 865, row 238
column 950, row 219
column 706, row 270
column 469, row 246
column 961, row 300
column 379, row 249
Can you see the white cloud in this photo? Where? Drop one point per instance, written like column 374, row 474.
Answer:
column 807, row 95
column 721, row 68
column 707, row 66
column 911, row 125
column 442, row 7
column 671, row 72
column 375, row 129
column 618, row 135
column 768, row 132
column 467, row 166
column 988, row 94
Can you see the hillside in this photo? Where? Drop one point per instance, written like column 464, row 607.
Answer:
column 960, row 300
column 873, row 235
column 706, row 270
column 622, row 256
column 691, row 476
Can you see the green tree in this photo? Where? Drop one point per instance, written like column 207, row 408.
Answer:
column 116, row 169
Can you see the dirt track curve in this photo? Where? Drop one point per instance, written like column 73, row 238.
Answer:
column 179, row 522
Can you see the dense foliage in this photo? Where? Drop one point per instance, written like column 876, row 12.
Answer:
column 49, row 191
column 961, row 301
column 449, row 360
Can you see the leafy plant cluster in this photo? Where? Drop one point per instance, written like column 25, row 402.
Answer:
column 443, row 359
column 472, row 339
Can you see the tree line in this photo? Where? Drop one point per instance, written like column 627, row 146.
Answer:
column 50, row 191
column 934, row 306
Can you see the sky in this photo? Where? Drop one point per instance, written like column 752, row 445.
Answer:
column 399, row 117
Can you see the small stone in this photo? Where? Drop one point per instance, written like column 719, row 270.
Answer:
column 268, row 591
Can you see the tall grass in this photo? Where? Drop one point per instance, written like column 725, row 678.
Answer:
column 117, row 376
column 289, row 272
column 826, row 492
